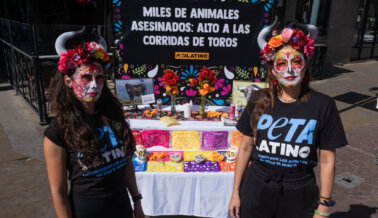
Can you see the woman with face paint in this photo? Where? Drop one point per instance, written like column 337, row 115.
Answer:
column 89, row 138
column 287, row 130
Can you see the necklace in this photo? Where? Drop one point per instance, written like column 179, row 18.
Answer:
column 285, row 100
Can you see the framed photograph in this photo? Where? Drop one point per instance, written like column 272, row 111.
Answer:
column 135, row 91
column 243, row 90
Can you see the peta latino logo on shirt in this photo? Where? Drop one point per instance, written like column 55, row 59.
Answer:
column 281, row 133
column 111, row 150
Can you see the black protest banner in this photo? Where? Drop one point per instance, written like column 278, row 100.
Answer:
column 186, row 35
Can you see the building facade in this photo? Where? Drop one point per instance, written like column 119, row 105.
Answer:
column 347, row 27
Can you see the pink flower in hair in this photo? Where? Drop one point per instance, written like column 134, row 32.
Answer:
column 309, row 48
column 93, row 47
column 287, row 34
column 63, row 62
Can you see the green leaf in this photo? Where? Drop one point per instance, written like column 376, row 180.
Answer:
column 140, row 70
column 242, row 73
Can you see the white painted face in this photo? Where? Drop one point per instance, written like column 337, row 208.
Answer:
column 232, row 153
column 288, row 66
column 88, row 82
column 141, row 153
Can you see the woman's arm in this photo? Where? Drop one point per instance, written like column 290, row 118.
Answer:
column 57, row 172
column 327, row 177
column 130, row 178
column 242, row 161
column 133, row 188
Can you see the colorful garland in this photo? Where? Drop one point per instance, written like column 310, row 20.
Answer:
column 74, row 57
column 289, row 36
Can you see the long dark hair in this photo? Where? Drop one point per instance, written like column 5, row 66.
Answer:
column 263, row 100
column 77, row 125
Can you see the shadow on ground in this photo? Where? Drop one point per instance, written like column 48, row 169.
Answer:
column 356, row 211
column 330, row 71
column 357, row 100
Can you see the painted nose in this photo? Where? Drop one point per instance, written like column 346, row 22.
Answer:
column 290, row 69
column 93, row 84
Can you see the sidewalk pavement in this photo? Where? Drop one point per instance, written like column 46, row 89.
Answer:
column 25, row 191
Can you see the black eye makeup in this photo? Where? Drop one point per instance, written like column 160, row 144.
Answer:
column 99, row 77
column 86, row 78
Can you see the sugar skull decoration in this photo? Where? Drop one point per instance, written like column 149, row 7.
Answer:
column 198, row 159
column 141, row 153
column 175, row 157
column 232, row 153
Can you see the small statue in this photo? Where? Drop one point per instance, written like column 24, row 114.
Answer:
column 198, row 159
column 141, row 153
column 175, row 157
column 232, row 153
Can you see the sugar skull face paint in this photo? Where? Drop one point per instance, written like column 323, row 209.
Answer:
column 88, row 81
column 288, row 65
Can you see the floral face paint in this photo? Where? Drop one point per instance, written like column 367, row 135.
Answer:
column 88, row 81
column 288, row 65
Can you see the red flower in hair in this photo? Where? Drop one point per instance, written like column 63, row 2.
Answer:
column 63, row 62
column 298, row 40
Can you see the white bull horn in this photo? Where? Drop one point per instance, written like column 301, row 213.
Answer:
column 312, row 31
column 261, row 37
column 62, row 39
column 101, row 40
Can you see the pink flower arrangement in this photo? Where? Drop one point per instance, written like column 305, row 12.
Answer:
column 287, row 34
column 92, row 47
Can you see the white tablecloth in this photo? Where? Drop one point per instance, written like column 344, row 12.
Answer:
column 193, row 194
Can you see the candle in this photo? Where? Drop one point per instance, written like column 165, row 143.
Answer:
column 187, row 111
column 232, row 112
column 159, row 107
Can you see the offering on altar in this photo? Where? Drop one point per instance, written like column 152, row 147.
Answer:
column 206, row 83
column 150, row 113
column 169, row 121
column 215, row 156
column 232, row 153
column 141, row 153
column 156, row 156
column 171, row 80
column 198, row 159
column 177, row 158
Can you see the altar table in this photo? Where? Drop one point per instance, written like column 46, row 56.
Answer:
column 204, row 194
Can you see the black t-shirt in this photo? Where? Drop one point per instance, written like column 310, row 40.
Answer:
column 104, row 181
column 290, row 134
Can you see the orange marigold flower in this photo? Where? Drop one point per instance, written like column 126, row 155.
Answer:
column 205, row 86
column 203, row 92
column 168, row 88
column 276, row 41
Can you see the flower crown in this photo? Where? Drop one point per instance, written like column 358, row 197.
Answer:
column 289, row 36
column 74, row 57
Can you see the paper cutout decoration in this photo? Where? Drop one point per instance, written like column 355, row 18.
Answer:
column 186, row 140
column 214, row 140
column 164, row 166
column 153, row 138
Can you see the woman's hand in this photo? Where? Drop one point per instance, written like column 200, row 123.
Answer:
column 322, row 209
column 138, row 211
column 234, row 206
